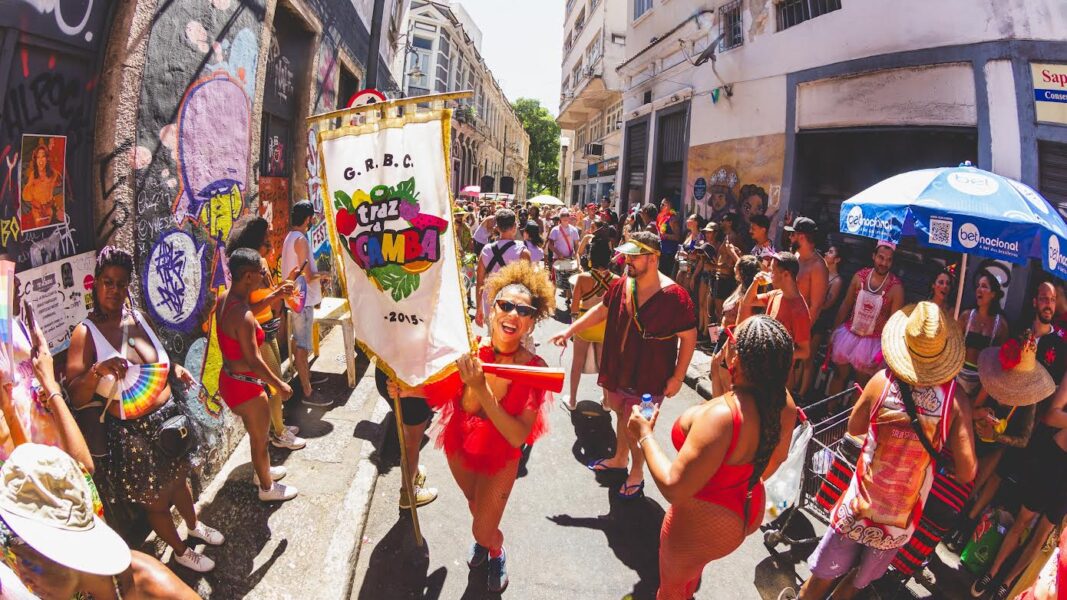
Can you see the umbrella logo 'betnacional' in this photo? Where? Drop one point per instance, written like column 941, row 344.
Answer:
column 969, row 235
column 974, row 184
column 1053, row 252
column 855, row 219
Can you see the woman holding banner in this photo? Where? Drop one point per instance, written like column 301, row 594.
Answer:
column 485, row 419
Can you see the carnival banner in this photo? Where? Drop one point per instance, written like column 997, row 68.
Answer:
column 389, row 216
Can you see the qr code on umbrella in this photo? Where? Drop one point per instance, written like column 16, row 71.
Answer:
column 941, row 231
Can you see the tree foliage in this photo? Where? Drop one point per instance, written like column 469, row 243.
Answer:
column 544, row 146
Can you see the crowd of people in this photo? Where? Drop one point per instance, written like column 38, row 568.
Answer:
column 960, row 427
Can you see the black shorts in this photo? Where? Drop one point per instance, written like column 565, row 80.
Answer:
column 722, row 287
column 416, row 410
column 1042, row 482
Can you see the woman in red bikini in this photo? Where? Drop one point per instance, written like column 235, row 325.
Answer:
column 485, row 420
column 725, row 447
column 245, row 375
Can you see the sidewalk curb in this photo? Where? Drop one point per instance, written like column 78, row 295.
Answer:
column 699, row 382
column 343, row 550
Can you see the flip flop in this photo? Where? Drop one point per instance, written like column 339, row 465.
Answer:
column 567, row 406
column 597, row 466
column 639, row 489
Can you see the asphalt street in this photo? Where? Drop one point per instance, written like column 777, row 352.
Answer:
column 566, row 533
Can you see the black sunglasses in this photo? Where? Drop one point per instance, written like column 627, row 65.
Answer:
column 521, row 309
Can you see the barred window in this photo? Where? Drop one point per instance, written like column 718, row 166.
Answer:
column 730, row 25
column 794, row 12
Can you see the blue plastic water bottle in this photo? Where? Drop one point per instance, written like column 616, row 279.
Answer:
column 647, row 407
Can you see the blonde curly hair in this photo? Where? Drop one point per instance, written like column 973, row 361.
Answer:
column 536, row 282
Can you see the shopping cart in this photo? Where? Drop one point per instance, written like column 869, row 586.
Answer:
column 828, row 466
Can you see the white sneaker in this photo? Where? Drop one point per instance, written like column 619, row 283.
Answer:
column 210, row 535
column 194, row 561
column 276, row 473
column 420, row 476
column 287, row 440
column 423, row 496
column 278, row 492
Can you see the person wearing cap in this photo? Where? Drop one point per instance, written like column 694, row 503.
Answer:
column 52, row 540
column 873, row 295
column 649, row 339
column 717, row 273
column 759, row 228
column 812, row 280
column 562, row 245
column 784, row 303
column 915, row 395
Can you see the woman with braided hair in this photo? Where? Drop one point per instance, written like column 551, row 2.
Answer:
column 725, row 448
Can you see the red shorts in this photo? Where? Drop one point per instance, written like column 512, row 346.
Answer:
column 236, row 392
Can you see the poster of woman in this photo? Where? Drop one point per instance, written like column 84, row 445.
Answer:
column 43, row 202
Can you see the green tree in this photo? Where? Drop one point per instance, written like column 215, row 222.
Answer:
column 544, row 146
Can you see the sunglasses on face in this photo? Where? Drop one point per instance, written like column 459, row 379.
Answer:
column 520, row 309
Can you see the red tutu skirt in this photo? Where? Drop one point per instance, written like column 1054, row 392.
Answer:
column 473, row 437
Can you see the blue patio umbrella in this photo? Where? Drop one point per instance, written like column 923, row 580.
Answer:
column 963, row 209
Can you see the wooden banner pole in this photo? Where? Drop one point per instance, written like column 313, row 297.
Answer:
column 408, row 480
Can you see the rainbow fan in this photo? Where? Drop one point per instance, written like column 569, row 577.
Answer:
column 142, row 385
column 296, row 301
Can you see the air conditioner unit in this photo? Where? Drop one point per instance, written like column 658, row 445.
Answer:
column 594, row 149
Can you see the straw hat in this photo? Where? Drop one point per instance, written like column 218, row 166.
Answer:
column 922, row 346
column 1022, row 383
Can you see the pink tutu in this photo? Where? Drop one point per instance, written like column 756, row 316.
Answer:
column 863, row 353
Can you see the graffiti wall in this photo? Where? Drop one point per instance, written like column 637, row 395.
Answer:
column 742, row 176
column 46, row 127
column 194, row 177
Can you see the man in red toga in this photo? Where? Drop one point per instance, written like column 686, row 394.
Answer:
column 648, row 343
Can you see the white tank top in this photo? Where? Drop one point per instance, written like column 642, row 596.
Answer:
column 289, row 263
column 104, row 349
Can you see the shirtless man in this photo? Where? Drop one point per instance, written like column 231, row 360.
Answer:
column 814, row 277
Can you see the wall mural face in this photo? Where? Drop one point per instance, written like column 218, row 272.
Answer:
column 742, row 176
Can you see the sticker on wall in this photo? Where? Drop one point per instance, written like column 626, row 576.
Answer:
column 43, row 199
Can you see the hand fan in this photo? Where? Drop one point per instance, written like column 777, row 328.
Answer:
column 140, row 387
column 296, row 301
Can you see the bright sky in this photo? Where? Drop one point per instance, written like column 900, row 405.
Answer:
column 522, row 42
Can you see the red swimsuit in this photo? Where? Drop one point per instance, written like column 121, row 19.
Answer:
column 728, row 487
column 236, row 388
column 473, row 436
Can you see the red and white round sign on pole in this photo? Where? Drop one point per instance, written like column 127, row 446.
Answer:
column 366, row 97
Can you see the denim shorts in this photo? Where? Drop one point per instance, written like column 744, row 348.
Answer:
column 837, row 555
column 302, row 322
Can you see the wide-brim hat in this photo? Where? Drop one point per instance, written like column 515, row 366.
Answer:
column 922, row 346
column 46, row 501
column 711, row 227
column 1027, row 383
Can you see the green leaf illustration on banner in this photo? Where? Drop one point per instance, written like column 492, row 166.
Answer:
column 405, row 190
column 386, row 233
column 399, row 283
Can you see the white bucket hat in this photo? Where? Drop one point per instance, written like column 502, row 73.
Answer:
column 46, row 501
